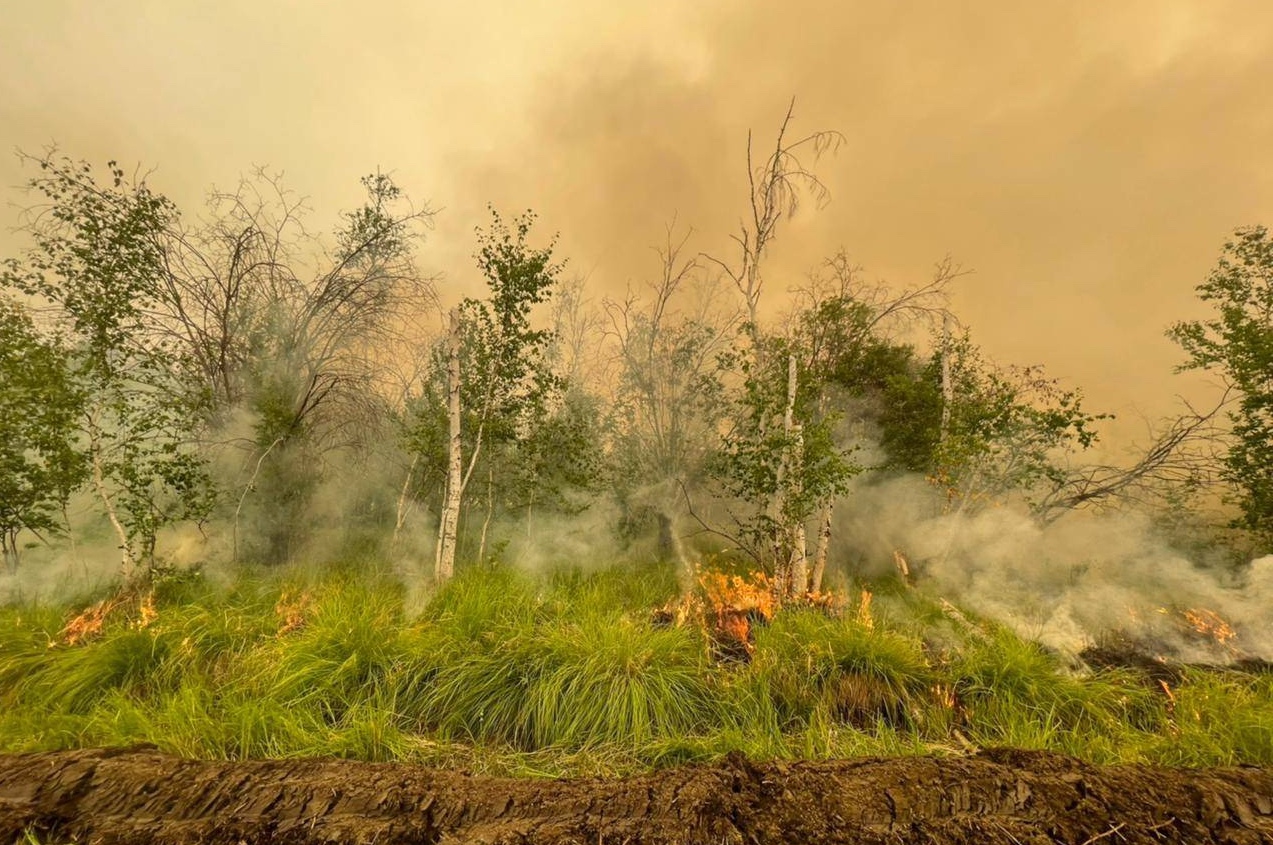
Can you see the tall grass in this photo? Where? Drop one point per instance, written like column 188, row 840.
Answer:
column 563, row 673
column 617, row 681
column 858, row 675
column 1015, row 693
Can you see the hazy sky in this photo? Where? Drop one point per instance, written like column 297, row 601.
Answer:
column 1086, row 159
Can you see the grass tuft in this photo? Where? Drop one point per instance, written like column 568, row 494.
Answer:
column 504, row 673
column 852, row 673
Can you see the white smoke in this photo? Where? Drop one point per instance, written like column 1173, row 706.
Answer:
column 1068, row 583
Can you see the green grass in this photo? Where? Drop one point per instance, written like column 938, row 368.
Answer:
column 616, row 681
column 810, row 662
column 565, row 673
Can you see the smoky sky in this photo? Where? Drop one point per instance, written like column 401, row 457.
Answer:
column 1086, row 161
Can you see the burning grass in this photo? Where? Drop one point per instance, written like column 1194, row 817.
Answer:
column 574, row 672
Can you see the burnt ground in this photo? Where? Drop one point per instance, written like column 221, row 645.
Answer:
column 141, row 796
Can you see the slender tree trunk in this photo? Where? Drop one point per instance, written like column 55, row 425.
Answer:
column 146, row 542
column 799, row 566
column 247, row 488
column 782, row 572
column 400, row 519
column 444, row 562
column 794, row 577
column 947, row 385
column 128, row 564
column 823, row 549
column 10, row 542
column 148, row 553
column 490, row 508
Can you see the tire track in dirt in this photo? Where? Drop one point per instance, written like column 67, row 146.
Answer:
column 141, row 796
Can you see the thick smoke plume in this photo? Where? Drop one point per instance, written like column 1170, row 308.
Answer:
column 1072, row 583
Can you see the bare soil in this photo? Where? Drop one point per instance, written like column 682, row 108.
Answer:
column 141, row 796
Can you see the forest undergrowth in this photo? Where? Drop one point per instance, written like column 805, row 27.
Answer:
column 576, row 672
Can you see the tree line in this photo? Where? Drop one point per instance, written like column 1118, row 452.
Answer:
column 218, row 370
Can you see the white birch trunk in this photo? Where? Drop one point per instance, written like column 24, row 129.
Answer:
column 444, row 560
column 799, row 565
column 823, row 549
column 128, row 563
column 490, row 509
column 404, row 504
column 794, row 578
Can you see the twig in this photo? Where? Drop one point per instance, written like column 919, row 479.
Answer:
column 246, row 488
column 1115, row 829
column 707, row 529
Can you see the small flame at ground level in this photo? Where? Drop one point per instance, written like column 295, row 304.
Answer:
column 1209, row 623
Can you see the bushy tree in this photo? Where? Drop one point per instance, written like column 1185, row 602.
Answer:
column 1237, row 344
column 492, row 381
column 992, row 431
column 809, row 391
column 316, row 339
column 781, row 456
column 40, row 462
column 98, row 263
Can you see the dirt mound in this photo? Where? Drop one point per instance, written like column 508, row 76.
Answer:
column 141, row 796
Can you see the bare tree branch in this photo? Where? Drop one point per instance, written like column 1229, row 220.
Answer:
column 1177, row 458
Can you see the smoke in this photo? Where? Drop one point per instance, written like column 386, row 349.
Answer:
column 1087, row 162
column 1070, row 583
column 538, row 542
column 65, row 568
column 1017, row 139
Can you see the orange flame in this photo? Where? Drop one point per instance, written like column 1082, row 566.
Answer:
column 146, row 612
column 291, row 609
column 1209, row 624
column 88, row 623
column 864, row 611
column 734, row 592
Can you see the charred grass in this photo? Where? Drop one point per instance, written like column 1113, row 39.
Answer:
column 568, row 673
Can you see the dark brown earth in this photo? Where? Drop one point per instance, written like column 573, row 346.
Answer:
column 141, row 796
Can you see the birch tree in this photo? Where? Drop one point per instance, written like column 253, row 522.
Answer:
column 496, row 364
column 96, row 268
column 763, row 455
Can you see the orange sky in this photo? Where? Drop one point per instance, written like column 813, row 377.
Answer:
column 1086, row 159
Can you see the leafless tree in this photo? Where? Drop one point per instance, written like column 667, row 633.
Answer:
column 667, row 388
column 250, row 285
column 579, row 329
column 775, row 191
column 303, row 334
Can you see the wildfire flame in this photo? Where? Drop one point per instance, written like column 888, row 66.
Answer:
column 727, row 606
column 1209, row 624
column 734, row 592
column 291, row 609
column 864, row 611
column 146, row 612
column 1195, row 623
column 88, row 623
